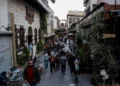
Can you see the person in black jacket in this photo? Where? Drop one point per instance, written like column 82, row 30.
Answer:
column 3, row 79
column 71, row 59
column 31, row 74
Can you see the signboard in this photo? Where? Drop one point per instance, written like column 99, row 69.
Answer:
column 109, row 35
column 29, row 15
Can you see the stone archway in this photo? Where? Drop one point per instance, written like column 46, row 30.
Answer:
column 30, row 35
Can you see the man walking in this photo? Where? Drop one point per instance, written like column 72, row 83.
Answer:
column 52, row 62
column 31, row 74
column 63, row 63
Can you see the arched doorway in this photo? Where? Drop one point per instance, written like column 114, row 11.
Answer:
column 30, row 40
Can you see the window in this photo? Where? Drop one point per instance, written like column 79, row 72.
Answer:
column 51, row 24
column 94, row 5
column 74, row 19
column 16, row 38
column 88, row 11
column 62, row 25
column 35, row 35
column 21, row 37
column 70, row 21
column 78, row 19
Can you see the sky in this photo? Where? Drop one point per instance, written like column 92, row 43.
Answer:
column 61, row 7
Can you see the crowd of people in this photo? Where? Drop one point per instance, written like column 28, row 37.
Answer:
column 57, row 56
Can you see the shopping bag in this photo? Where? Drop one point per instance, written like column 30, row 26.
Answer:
column 26, row 84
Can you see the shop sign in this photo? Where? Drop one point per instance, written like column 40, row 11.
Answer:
column 109, row 35
column 29, row 15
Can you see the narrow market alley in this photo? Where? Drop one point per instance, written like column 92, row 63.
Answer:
column 59, row 79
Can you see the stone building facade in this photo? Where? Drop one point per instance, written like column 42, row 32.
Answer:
column 26, row 27
column 23, row 18
column 74, row 16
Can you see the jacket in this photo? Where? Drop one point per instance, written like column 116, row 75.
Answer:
column 35, row 73
column 63, row 60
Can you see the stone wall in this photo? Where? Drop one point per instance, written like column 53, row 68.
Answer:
column 18, row 8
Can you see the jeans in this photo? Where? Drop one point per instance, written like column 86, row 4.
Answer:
column 52, row 66
column 63, row 67
column 45, row 65
column 33, row 84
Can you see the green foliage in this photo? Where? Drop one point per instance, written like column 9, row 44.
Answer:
column 39, row 46
column 26, row 51
column 44, row 22
column 22, row 58
column 79, row 40
column 100, row 51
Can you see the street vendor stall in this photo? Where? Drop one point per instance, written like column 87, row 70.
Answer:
column 15, row 77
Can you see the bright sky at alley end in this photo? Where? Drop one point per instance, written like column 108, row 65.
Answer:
column 61, row 7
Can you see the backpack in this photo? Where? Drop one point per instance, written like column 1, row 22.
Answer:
column 52, row 59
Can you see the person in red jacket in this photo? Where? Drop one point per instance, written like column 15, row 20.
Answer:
column 31, row 74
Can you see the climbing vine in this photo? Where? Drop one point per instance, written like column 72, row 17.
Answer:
column 44, row 23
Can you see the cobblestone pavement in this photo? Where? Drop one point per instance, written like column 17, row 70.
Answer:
column 59, row 79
